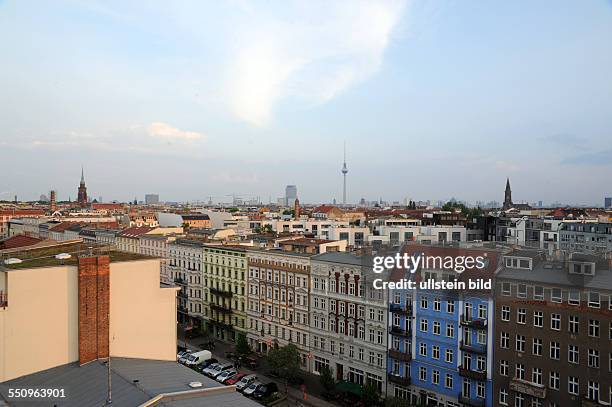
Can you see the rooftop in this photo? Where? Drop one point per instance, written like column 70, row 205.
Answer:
column 134, row 381
column 45, row 256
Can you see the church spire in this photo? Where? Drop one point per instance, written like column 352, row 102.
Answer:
column 508, row 195
column 82, row 176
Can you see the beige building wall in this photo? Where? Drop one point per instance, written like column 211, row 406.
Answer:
column 39, row 327
column 143, row 315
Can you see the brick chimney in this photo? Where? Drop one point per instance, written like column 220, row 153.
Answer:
column 94, row 308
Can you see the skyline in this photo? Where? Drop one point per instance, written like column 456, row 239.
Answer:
column 215, row 99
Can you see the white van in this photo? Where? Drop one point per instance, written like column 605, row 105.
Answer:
column 197, row 357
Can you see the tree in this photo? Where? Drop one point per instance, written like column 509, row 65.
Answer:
column 370, row 395
column 326, row 378
column 396, row 402
column 285, row 361
column 232, row 210
column 242, row 346
column 289, row 212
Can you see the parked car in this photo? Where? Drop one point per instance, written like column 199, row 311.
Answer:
column 235, row 379
column 251, row 388
column 197, row 357
column 210, row 368
column 219, row 369
column 206, row 363
column 245, row 382
column 226, row 374
column 182, row 353
column 265, row 390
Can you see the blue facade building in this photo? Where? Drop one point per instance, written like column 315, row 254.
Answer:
column 441, row 344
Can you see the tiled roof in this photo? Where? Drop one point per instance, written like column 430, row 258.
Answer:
column 135, row 231
column 18, row 241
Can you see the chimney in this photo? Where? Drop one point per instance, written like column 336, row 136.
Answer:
column 52, row 201
column 296, row 208
column 94, row 308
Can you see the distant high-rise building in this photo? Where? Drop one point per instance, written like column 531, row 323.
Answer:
column 82, row 192
column 290, row 195
column 151, row 199
column 608, row 203
column 344, row 172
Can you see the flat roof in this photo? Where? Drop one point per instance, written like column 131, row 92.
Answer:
column 134, row 381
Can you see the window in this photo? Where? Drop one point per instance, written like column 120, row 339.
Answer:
column 506, row 289
column 572, row 385
column 505, row 313
column 536, row 375
column 555, row 295
column 521, row 316
column 436, row 304
column 503, row 367
column 422, row 373
column 594, row 328
column 555, row 350
column 519, row 400
column 519, row 371
column 424, row 302
column 574, row 297
column 574, row 324
column 448, row 356
column 503, row 397
column 593, row 358
column 449, row 381
column 424, row 324
column 435, row 377
column 554, row 380
column 423, row 349
column 522, row 291
column 555, row 322
column 537, row 346
column 594, row 299
column 504, row 340
column 538, row 319
column 520, row 343
column 538, row 292
column 435, row 352
column 593, row 391
column 450, row 306
column 450, row 330
column 573, row 355
column 436, row 328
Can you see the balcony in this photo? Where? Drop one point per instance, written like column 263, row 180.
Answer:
column 474, row 402
column 3, row 299
column 182, row 294
column 180, row 281
column 400, row 355
column 401, row 380
column 473, row 347
column 182, row 309
column 221, row 293
column 396, row 330
column 398, row 309
column 472, row 374
column 472, row 322
column 221, row 308
column 529, row 388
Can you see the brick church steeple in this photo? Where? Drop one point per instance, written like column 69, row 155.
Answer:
column 82, row 194
column 508, row 196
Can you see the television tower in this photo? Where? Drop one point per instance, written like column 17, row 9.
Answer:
column 344, row 172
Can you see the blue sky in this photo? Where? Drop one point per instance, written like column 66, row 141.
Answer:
column 196, row 99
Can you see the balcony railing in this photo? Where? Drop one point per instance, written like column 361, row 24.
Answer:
column 221, row 293
column 529, row 388
column 182, row 309
column 474, row 402
column 221, row 308
column 179, row 280
column 396, row 330
column 473, row 374
column 3, row 299
column 400, row 355
column 472, row 322
column 401, row 380
column 399, row 309
column 473, row 347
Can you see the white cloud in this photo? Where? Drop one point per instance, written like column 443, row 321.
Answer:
column 165, row 131
column 312, row 52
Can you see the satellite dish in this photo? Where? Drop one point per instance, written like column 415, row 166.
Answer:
column 63, row 256
column 13, row 260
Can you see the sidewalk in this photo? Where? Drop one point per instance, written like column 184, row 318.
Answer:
column 295, row 395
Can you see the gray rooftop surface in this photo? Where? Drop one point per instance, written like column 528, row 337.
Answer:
column 87, row 385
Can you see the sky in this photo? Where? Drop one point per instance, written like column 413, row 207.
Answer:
column 203, row 99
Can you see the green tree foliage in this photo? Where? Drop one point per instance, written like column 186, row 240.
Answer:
column 370, row 395
column 469, row 213
column 285, row 361
column 326, row 378
column 242, row 346
column 396, row 402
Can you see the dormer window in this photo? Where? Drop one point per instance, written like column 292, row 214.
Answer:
column 524, row 263
column 583, row 268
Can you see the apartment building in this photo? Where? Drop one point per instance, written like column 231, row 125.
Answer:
column 441, row 341
column 224, row 273
column 348, row 319
column 184, row 266
column 278, row 302
column 395, row 235
column 157, row 246
column 553, row 333
column 128, row 240
column 7, row 214
column 593, row 237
